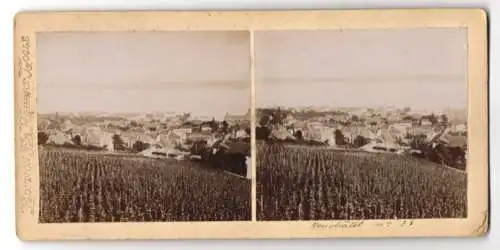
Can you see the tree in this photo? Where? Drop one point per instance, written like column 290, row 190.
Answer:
column 298, row 135
column 277, row 116
column 355, row 118
column 134, row 124
column 262, row 133
column 339, row 137
column 225, row 126
column 77, row 140
column 264, row 120
column 433, row 119
column 409, row 118
column 213, row 125
column 418, row 142
column 235, row 127
column 444, row 119
column 42, row 138
column 140, row 146
column 118, row 143
column 345, row 123
column 273, row 116
column 126, row 128
column 360, row 141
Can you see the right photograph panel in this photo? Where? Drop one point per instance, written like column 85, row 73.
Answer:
column 361, row 124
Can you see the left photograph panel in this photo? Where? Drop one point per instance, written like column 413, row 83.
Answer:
column 144, row 126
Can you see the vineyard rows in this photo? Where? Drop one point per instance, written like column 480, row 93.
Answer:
column 81, row 187
column 321, row 184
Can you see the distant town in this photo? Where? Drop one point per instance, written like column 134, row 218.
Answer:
column 169, row 134
column 384, row 129
column 165, row 134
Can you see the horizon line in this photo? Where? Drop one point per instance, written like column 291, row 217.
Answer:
column 366, row 79
column 359, row 107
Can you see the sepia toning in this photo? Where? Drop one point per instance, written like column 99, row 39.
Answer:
column 361, row 124
column 144, row 126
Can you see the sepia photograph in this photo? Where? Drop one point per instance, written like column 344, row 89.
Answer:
column 361, row 124
column 144, row 126
column 251, row 124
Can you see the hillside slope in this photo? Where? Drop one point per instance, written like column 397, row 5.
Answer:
column 320, row 184
column 77, row 186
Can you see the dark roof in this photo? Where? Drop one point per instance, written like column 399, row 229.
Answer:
column 238, row 147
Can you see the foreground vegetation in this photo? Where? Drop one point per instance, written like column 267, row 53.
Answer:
column 79, row 186
column 305, row 183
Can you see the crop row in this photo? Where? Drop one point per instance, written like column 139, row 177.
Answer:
column 303, row 183
column 83, row 187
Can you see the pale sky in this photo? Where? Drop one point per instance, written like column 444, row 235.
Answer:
column 206, row 73
column 420, row 68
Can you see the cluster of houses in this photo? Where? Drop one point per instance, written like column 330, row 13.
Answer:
column 174, row 135
column 172, row 132
column 371, row 130
column 149, row 135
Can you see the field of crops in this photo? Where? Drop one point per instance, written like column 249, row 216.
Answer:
column 321, row 184
column 78, row 186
